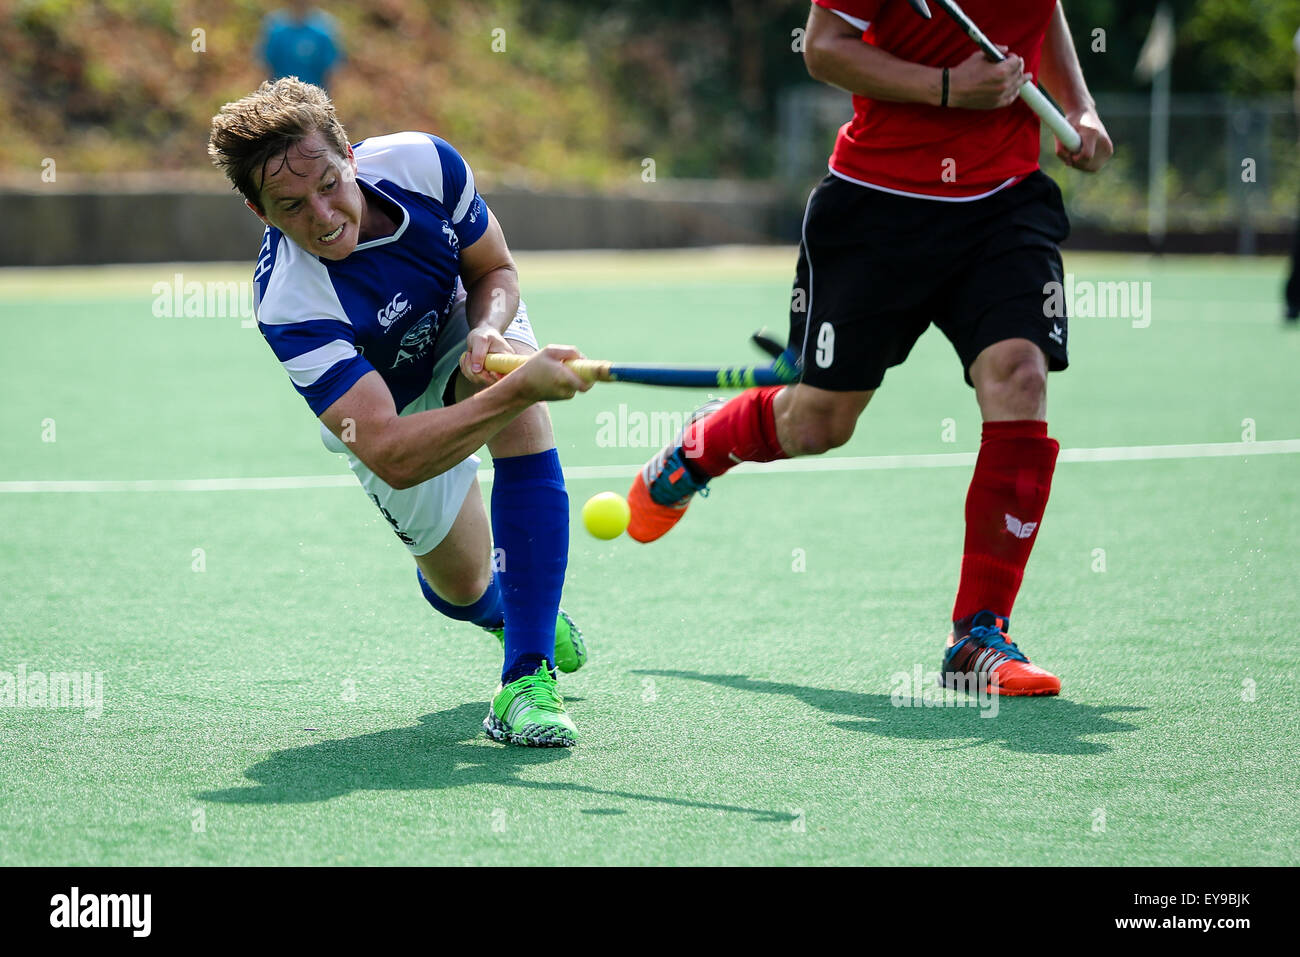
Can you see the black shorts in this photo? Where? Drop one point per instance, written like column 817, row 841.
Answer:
column 875, row 269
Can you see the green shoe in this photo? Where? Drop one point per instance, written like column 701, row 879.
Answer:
column 570, row 649
column 530, row 711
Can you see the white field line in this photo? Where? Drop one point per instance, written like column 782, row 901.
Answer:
column 866, row 463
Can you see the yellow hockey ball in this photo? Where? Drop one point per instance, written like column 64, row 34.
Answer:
column 606, row 515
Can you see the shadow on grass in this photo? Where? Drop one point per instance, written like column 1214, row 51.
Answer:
column 1027, row 725
column 435, row 754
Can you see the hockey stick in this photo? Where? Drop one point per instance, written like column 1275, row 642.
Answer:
column 1031, row 94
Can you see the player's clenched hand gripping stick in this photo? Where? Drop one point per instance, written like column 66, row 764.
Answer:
column 1031, row 94
column 550, row 375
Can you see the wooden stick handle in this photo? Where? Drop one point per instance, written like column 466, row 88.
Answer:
column 593, row 370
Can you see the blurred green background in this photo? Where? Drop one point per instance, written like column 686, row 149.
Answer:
column 582, row 91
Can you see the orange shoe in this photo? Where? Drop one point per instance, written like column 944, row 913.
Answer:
column 664, row 488
column 985, row 657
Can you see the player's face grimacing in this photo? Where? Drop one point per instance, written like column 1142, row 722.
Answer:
column 311, row 195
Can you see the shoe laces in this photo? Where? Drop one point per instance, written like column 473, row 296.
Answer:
column 539, row 691
column 672, row 456
column 994, row 638
column 665, row 466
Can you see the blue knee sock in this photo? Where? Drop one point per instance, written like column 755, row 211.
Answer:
column 487, row 612
column 530, row 527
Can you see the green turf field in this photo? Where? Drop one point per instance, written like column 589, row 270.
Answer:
column 296, row 702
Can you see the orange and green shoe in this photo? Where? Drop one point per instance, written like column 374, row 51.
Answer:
column 984, row 657
column 664, row 487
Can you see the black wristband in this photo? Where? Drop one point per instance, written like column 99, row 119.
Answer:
column 944, row 101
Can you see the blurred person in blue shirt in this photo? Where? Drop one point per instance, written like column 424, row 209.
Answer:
column 301, row 42
column 1292, row 314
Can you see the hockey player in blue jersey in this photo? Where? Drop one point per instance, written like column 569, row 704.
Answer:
column 382, row 282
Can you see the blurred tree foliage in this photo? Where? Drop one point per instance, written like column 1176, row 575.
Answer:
column 1242, row 47
column 581, row 92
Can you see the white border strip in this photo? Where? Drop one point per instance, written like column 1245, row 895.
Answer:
column 1011, row 181
column 185, row 485
column 867, row 463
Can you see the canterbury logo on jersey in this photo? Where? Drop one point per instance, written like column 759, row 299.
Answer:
column 1018, row 528
column 393, row 311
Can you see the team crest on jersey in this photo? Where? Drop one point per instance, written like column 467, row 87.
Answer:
column 417, row 340
column 393, row 311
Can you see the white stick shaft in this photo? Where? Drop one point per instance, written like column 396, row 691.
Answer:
column 1050, row 115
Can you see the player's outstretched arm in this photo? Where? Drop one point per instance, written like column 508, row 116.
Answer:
column 834, row 53
column 1063, row 76
column 407, row 450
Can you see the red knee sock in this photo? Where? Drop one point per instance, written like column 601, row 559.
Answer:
column 743, row 430
column 1013, row 477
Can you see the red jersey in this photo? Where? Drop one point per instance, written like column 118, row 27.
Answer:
column 909, row 147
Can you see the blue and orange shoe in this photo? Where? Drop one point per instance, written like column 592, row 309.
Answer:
column 664, row 488
column 984, row 657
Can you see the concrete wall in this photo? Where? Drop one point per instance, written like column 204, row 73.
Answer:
column 91, row 228
column 76, row 228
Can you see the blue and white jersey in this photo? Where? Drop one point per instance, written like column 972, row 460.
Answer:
column 329, row 323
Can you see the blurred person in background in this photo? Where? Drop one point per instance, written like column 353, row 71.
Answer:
column 1292, row 314
column 301, row 42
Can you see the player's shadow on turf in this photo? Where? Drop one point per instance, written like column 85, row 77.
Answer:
column 445, row 750
column 1028, row 725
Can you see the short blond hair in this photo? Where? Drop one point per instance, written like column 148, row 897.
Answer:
column 249, row 132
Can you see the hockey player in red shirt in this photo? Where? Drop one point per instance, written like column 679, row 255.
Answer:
column 934, row 210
